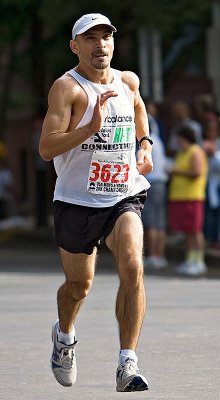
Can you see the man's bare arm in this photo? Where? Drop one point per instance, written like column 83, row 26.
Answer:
column 144, row 156
column 55, row 138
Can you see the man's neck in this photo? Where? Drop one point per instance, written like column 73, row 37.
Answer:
column 103, row 77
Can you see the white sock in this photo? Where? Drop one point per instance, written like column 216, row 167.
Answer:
column 127, row 353
column 66, row 338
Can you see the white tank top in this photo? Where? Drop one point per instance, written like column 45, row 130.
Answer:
column 102, row 170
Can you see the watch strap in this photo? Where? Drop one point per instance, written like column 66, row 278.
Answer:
column 148, row 138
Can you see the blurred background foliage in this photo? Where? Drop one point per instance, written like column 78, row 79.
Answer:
column 173, row 45
column 35, row 34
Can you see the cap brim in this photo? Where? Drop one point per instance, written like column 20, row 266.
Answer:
column 87, row 27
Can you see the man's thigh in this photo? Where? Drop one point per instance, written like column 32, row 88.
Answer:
column 78, row 267
column 126, row 238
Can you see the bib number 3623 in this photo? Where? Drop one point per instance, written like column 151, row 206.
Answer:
column 109, row 173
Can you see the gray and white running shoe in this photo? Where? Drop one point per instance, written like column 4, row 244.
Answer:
column 129, row 379
column 63, row 360
column 192, row 269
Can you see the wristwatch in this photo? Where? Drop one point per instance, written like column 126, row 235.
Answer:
column 148, row 138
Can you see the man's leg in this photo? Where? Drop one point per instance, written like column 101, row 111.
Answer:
column 79, row 272
column 126, row 243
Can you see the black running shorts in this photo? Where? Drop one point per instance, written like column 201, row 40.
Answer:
column 78, row 229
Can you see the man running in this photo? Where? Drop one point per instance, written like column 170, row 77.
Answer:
column 94, row 116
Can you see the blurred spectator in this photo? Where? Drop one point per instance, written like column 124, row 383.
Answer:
column 6, row 183
column 181, row 116
column 212, row 211
column 154, row 212
column 186, row 196
column 205, row 109
column 157, row 126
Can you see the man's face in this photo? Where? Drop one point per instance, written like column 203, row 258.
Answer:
column 94, row 47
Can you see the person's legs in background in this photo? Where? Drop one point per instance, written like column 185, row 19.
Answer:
column 192, row 223
column 154, row 222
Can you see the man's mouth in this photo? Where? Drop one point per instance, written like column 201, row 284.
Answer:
column 100, row 55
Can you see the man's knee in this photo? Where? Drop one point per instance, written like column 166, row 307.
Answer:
column 78, row 290
column 131, row 270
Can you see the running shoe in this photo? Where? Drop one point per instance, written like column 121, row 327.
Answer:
column 63, row 360
column 192, row 269
column 154, row 262
column 128, row 378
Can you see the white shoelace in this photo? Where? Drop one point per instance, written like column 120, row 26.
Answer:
column 66, row 358
column 131, row 367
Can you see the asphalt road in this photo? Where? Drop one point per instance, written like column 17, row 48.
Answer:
column 179, row 348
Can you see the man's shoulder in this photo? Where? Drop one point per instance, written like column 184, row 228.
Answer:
column 65, row 84
column 131, row 79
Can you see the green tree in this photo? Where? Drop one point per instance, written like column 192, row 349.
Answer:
column 34, row 37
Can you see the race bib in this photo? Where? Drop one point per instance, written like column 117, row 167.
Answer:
column 109, row 173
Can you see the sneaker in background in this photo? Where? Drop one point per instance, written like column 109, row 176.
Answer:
column 193, row 269
column 155, row 262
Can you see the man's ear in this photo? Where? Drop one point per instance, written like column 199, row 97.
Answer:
column 74, row 46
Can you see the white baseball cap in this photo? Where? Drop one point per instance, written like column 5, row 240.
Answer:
column 88, row 21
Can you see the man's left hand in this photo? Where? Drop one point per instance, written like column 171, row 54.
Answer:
column 144, row 162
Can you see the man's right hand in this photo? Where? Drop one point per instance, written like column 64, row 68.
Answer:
column 57, row 136
column 98, row 114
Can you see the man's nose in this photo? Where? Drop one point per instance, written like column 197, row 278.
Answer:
column 100, row 43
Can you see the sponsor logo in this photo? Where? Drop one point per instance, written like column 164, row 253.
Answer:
column 105, row 132
column 107, row 146
column 118, row 118
column 123, row 134
column 97, row 138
